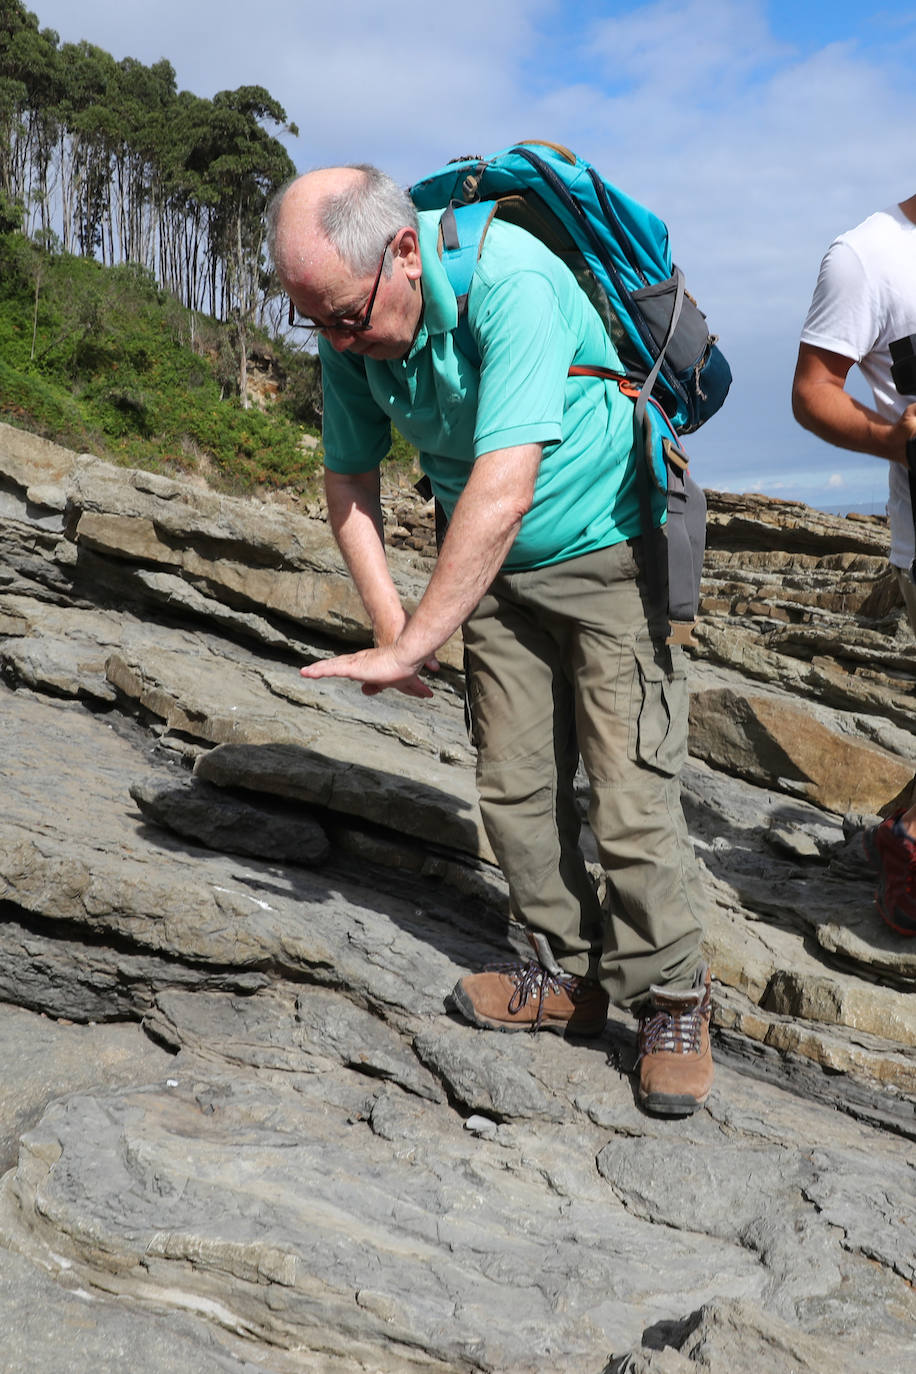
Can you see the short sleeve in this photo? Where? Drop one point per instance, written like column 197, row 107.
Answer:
column 356, row 434
column 842, row 317
column 526, row 347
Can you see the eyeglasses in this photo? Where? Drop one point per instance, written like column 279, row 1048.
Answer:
column 343, row 326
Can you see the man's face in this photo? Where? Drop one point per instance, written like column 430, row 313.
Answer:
column 340, row 302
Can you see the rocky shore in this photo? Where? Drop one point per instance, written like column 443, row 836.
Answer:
column 240, row 1130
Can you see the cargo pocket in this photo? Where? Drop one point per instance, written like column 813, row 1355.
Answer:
column 658, row 709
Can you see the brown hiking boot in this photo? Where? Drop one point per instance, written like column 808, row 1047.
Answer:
column 675, row 1062
column 533, row 995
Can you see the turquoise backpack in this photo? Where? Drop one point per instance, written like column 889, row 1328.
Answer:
column 619, row 253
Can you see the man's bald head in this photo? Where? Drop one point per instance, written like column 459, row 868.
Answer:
column 350, row 211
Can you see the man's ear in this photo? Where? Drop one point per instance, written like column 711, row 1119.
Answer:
column 408, row 250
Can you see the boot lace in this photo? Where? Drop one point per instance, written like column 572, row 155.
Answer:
column 533, row 979
column 665, row 1030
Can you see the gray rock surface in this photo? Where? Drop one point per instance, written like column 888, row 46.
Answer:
column 44, row 1059
column 240, row 1126
column 49, row 1326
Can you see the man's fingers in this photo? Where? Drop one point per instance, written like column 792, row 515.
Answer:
column 329, row 667
column 364, row 668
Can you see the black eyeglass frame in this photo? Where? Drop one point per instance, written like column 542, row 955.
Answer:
column 360, row 326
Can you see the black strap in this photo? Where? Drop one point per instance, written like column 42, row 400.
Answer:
column 911, row 475
column 451, row 240
column 424, row 488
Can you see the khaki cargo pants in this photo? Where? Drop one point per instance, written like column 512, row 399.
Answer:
column 562, row 661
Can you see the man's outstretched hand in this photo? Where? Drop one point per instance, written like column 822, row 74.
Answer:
column 376, row 669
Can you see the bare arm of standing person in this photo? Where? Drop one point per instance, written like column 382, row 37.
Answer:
column 480, row 534
column 355, row 516
column 821, row 403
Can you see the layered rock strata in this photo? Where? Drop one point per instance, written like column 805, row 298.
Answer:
column 271, row 886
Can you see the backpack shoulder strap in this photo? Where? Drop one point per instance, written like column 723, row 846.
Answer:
column 674, row 552
column 462, row 229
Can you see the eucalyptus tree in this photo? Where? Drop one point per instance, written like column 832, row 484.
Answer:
column 187, row 203
column 143, row 100
column 133, row 171
column 14, row 100
column 88, row 131
column 249, row 165
column 29, row 90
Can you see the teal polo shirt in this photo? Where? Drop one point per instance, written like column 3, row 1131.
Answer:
column 530, row 322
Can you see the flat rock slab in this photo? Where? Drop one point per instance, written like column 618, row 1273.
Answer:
column 307, row 1198
column 105, row 878
column 219, row 820
column 43, row 1059
column 775, row 744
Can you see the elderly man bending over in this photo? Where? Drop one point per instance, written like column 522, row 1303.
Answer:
column 542, row 565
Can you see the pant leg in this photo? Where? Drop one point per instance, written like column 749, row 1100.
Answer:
column 587, row 623
column 523, row 725
column 631, row 702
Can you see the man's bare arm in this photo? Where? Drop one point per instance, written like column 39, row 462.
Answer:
column 482, row 530
column 355, row 516
column 821, row 403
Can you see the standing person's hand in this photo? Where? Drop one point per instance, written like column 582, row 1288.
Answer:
column 376, row 669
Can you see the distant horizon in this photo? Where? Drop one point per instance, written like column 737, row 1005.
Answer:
column 848, row 507
column 862, row 508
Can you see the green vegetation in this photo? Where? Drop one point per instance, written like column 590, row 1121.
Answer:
column 137, row 307
column 99, row 358
column 112, row 161
column 108, row 159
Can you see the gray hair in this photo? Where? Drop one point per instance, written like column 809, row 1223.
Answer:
column 361, row 219
column 357, row 221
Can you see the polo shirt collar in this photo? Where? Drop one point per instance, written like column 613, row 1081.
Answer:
column 440, row 305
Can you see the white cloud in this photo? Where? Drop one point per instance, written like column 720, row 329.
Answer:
column 693, row 53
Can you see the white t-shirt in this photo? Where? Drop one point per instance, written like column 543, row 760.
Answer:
column 864, row 299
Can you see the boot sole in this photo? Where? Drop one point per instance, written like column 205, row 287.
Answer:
column 666, row 1104
column 465, row 1006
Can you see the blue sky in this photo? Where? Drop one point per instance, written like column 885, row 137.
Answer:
column 757, row 130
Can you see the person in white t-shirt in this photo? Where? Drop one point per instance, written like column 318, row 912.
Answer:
column 865, row 300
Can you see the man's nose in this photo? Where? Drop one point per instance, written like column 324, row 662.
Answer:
column 340, row 339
